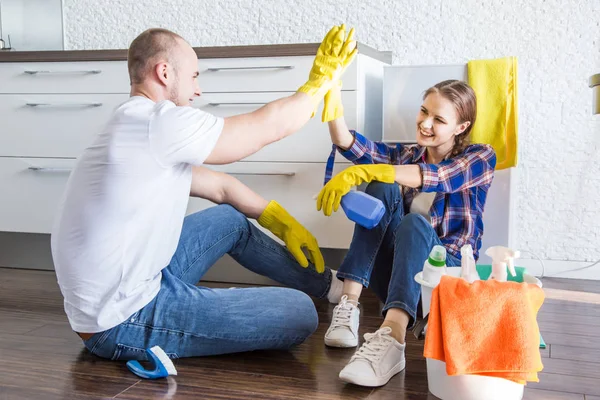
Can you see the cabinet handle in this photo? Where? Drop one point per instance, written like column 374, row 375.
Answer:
column 68, row 105
column 236, row 104
column 263, row 173
column 50, row 169
column 47, row 72
column 217, row 69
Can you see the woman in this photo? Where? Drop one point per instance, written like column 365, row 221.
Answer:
column 434, row 193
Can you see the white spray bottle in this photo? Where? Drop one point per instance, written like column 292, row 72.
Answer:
column 502, row 257
column 468, row 269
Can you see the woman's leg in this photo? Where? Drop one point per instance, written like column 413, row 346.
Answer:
column 382, row 354
column 356, row 268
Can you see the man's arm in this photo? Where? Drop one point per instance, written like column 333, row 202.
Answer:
column 221, row 188
column 245, row 134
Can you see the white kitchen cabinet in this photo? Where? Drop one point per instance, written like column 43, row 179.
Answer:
column 51, row 111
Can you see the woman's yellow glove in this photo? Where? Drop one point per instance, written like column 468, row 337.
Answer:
column 335, row 53
column 277, row 220
column 331, row 195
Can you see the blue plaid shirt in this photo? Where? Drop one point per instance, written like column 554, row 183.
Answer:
column 461, row 183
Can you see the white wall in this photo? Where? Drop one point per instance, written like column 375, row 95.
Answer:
column 558, row 47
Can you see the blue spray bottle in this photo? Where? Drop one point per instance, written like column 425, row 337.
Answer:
column 360, row 207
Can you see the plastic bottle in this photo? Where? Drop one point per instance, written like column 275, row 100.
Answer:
column 435, row 266
column 502, row 257
column 468, row 269
column 362, row 208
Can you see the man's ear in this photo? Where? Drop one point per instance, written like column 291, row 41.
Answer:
column 162, row 72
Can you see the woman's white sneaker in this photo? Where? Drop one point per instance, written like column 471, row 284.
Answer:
column 343, row 331
column 377, row 361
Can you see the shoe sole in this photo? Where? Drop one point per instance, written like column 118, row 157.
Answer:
column 341, row 343
column 373, row 382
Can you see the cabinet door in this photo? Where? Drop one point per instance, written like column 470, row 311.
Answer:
column 53, row 125
column 32, row 189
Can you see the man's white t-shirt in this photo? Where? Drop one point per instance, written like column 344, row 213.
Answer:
column 122, row 213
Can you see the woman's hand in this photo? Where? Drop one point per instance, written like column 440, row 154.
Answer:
column 331, row 195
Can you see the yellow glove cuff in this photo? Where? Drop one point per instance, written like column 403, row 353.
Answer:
column 270, row 218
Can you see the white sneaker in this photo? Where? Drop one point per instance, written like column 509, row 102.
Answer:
column 377, row 361
column 334, row 295
column 343, row 331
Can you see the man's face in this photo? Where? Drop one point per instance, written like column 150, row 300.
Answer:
column 184, row 87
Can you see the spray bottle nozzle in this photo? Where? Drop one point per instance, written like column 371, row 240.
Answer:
column 502, row 257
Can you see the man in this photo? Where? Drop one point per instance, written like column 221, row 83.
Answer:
column 127, row 259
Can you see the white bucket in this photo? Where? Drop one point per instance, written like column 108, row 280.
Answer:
column 466, row 387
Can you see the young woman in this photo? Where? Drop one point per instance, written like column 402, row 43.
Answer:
column 434, row 193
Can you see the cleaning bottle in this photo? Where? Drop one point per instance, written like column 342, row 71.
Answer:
column 435, row 266
column 362, row 208
column 468, row 269
column 502, row 257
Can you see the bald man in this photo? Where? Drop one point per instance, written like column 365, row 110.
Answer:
column 126, row 256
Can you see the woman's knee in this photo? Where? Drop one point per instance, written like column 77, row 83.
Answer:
column 383, row 191
column 413, row 223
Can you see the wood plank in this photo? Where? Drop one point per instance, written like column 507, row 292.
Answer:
column 536, row 394
column 567, row 383
column 569, row 328
column 576, row 353
column 572, row 367
column 566, row 339
column 580, row 285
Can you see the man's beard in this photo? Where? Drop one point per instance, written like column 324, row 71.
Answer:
column 174, row 92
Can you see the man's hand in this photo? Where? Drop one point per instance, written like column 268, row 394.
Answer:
column 331, row 195
column 334, row 55
column 276, row 219
column 333, row 108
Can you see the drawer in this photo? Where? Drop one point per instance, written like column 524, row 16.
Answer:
column 32, row 190
column 262, row 74
column 311, row 143
column 293, row 185
column 67, row 77
column 53, row 125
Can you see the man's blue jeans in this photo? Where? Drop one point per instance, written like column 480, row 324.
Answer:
column 388, row 257
column 187, row 320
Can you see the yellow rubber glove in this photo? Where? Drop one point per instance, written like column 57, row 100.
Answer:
column 333, row 107
column 331, row 195
column 276, row 219
column 335, row 52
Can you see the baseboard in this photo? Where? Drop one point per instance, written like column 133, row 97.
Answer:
column 561, row 269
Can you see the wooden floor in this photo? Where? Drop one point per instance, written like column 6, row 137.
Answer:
column 42, row 359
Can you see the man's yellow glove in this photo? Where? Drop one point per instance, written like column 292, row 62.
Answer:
column 331, row 195
column 335, row 53
column 333, row 107
column 276, row 219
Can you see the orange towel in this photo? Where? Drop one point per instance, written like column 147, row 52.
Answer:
column 486, row 328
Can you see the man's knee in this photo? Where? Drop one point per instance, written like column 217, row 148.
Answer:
column 302, row 314
column 223, row 214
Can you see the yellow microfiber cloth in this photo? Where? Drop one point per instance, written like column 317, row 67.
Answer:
column 495, row 85
column 486, row 328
